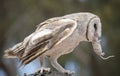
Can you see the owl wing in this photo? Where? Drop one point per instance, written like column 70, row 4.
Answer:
column 45, row 38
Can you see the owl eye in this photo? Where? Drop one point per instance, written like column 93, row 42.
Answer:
column 95, row 26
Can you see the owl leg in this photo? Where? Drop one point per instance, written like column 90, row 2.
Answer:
column 43, row 70
column 55, row 64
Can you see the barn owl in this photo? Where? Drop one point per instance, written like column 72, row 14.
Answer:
column 58, row 36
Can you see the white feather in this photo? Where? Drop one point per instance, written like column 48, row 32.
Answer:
column 40, row 34
column 74, row 26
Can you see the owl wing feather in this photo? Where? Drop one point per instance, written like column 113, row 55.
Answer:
column 44, row 38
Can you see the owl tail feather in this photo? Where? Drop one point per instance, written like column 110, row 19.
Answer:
column 14, row 52
column 9, row 54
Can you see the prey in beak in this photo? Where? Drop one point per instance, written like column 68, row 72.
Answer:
column 93, row 34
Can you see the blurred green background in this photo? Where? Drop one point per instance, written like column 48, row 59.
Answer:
column 18, row 19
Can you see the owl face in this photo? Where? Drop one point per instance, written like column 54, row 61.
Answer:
column 93, row 29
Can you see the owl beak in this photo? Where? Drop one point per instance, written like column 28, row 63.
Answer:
column 98, row 50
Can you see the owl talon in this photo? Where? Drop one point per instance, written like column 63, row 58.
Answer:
column 69, row 72
column 44, row 71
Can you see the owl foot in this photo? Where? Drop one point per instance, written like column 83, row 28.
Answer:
column 69, row 72
column 44, row 71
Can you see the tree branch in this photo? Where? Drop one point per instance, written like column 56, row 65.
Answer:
column 53, row 73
